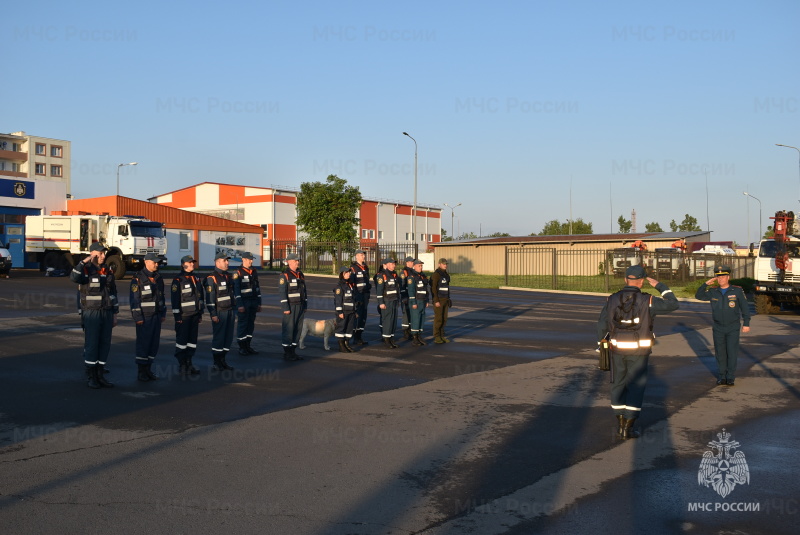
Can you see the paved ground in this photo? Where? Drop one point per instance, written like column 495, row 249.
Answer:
column 506, row 430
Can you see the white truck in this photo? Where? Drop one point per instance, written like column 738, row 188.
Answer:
column 61, row 241
column 777, row 280
column 707, row 257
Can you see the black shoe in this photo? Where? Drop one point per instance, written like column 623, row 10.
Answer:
column 91, row 378
column 720, row 382
column 360, row 340
column 102, row 380
column 387, row 342
column 243, row 348
column 417, row 341
column 407, row 334
column 347, row 345
column 729, row 382
column 190, row 369
column 621, row 422
column 250, row 347
column 295, row 356
column 391, row 342
column 343, row 346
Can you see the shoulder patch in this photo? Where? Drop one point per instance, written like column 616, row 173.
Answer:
column 380, row 281
column 174, row 287
column 282, row 281
column 235, row 274
column 338, row 291
column 210, row 288
column 134, row 287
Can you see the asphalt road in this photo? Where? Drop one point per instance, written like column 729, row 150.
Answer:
column 505, row 430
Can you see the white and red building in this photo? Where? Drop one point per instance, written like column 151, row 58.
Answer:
column 274, row 209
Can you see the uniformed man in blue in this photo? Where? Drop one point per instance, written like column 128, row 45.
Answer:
column 729, row 309
column 344, row 304
column 219, row 302
column 99, row 309
column 404, row 274
column 248, row 302
column 294, row 301
column 627, row 321
column 440, row 292
column 360, row 271
column 387, row 290
column 418, row 300
column 149, row 310
column 188, row 306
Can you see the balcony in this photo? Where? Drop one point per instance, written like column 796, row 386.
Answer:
column 16, row 174
column 14, row 155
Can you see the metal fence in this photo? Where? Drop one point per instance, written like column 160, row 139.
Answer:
column 326, row 257
column 603, row 270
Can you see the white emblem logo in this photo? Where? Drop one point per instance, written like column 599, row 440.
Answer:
column 723, row 470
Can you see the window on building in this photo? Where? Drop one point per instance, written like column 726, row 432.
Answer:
column 41, row 169
column 380, row 234
column 55, row 151
column 408, row 236
column 183, row 241
column 15, row 147
column 55, row 170
column 41, row 149
column 364, row 234
column 371, row 234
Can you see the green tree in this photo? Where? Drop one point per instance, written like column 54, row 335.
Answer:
column 445, row 237
column 624, row 225
column 689, row 224
column 498, row 235
column 327, row 211
column 467, row 236
column 653, row 227
column 556, row 228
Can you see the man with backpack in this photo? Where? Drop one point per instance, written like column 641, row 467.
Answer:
column 627, row 322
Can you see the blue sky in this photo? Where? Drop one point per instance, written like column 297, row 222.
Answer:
column 630, row 105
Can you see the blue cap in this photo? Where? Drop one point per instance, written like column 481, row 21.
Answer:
column 635, row 272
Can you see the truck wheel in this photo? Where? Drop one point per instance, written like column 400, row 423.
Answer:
column 51, row 260
column 116, row 265
column 764, row 305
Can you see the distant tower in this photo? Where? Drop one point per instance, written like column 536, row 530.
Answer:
column 633, row 220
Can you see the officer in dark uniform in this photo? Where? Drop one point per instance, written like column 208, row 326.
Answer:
column 630, row 349
column 404, row 274
column 188, row 305
column 294, row 301
column 418, row 297
column 247, row 292
column 728, row 306
column 99, row 309
column 344, row 303
column 149, row 311
column 363, row 286
column 387, row 285
column 219, row 302
column 440, row 290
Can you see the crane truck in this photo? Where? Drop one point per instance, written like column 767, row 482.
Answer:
column 777, row 276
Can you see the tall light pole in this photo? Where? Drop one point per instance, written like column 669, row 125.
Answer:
column 121, row 165
column 760, row 234
column 414, row 210
column 452, row 218
column 798, row 157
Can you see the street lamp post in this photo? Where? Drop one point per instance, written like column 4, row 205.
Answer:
column 414, row 210
column 798, row 155
column 452, row 218
column 121, row 165
column 760, row 234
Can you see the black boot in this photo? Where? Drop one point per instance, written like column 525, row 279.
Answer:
column 143, row 375
column 243, row 347
column 628, row 431
column 418, row 341
column 91, row 377
column 391, row 342
column 295, row 356
column 98, row 372
column 347, row 345
column 225, row 365
column 621, row 426
column 407, row 334
column 149, row 371
column 287, row 352
column 358, row 338
column 387, row 342
column 343, row 346
column 190, row 369
column 250, row 347
column 218, row 366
